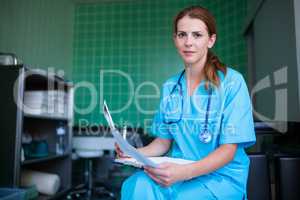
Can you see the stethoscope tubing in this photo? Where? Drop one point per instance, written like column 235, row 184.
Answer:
column 181, row 94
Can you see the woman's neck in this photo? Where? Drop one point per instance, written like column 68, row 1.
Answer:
column 193, row 77
column 195, row 72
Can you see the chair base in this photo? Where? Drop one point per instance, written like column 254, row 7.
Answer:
column 81, row 192
column 88, row 191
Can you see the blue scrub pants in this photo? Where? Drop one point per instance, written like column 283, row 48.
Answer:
column 141, row 187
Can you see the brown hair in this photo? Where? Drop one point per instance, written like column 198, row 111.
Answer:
column 213, row 63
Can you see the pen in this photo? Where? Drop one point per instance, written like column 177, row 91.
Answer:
column 124, row 132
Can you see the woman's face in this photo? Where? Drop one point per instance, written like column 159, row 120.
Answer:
column 192, row 40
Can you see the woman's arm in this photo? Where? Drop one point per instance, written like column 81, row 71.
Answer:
column 169, row 173
column 157, row 147
column 217, row 159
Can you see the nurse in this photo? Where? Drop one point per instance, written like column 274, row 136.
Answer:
column 205, row 115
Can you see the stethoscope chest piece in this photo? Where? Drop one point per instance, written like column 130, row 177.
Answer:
column 205, row 136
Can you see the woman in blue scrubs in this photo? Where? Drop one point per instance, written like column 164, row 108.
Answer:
column 205, row 115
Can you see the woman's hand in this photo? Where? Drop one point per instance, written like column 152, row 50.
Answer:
column 119, row 152
column 167, row 173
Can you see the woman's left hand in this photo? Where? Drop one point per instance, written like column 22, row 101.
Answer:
column 167, row 173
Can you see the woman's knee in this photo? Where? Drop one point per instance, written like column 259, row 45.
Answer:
column 191, row 189
column 137, row 184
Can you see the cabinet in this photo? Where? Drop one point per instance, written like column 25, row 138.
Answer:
column 17, row 118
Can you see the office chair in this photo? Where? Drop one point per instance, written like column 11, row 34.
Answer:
column 287, row 168
column 258, row 187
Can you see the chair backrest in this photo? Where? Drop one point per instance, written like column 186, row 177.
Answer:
column 258, row 187
column 287, row 177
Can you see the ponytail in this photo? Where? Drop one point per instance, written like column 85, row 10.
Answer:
column 211, row 68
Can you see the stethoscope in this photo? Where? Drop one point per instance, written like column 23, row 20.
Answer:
column 205, row 136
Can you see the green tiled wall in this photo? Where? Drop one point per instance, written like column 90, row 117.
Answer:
column 135, row 37
column 40, row 32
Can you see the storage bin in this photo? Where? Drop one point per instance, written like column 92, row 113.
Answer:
column 11, row 194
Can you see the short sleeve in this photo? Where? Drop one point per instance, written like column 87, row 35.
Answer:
column 237, row 120
column 159, row 128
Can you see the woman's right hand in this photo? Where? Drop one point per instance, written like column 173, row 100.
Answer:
column 120, row 153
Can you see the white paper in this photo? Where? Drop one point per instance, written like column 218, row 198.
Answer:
column 156, row 160
column 123, row 144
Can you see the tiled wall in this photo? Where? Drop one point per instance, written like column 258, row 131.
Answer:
column 40, row 33
column 133, row 39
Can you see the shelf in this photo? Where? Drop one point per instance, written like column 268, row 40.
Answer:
column 45, row 116
column 44, row 159
column 43, row 75
column 17, row 121
column 58, row 195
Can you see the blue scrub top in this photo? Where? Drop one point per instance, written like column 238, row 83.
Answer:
column 230, row 122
